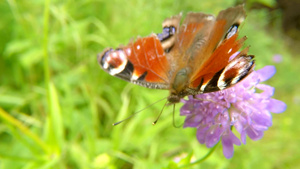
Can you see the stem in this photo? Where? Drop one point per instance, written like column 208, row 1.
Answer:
column 46, row 54
column 45, row 43
column 203, row 158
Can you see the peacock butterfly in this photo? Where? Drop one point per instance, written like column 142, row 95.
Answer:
column 199, row 55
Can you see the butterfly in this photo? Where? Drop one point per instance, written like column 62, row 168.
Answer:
column 199, row 55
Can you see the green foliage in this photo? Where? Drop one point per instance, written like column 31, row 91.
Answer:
column 57, row 106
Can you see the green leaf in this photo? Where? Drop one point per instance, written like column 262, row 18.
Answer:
column 54, row 130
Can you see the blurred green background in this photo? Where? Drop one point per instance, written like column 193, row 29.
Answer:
column 65, row 120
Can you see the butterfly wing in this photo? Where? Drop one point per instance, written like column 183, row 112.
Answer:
column 143, row 61
column 215, row 67
column 191, row 36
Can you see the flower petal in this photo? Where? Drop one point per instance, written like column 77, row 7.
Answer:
column 213, row 136
column 201, row 133
column 276, row 106
column 243, row 137
column 266, row 72
column 268, row 91
column 227, row 147
column 254, row 134
column 228, row 140
column 192, row 120
column 262, row 119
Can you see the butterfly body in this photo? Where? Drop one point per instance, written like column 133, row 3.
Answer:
column 198, row 56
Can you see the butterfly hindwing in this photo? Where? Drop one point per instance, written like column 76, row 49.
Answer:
column 170, row 29
column 222, row 45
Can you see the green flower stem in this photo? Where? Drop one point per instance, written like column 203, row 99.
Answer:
column 203, row 158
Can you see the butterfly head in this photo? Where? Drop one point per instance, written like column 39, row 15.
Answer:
column 174, row 98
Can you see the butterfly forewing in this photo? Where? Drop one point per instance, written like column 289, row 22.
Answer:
column 191, row 36
column 144, row 60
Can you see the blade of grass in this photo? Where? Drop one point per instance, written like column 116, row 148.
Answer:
column 4, row 115
column 54, row 127
column 116, row 133
column 45, row 49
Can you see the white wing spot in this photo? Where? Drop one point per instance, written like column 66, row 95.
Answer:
column 121, row 67
column 203, row 87
column 210, row 18
column 134, row 77
column 128, row 51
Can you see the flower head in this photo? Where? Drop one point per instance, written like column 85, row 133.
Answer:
column 241, row 107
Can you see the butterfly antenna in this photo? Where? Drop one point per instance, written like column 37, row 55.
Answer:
column 114, row 124
column 160, row 113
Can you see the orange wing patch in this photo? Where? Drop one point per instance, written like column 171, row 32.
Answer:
column 218, row 60
column 149, row 60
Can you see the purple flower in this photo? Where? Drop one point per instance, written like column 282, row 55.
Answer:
column 277, row 58
column 241, row 107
